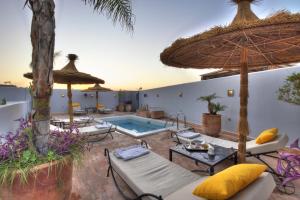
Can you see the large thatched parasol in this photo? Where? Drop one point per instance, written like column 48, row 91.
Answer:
column 70, row 75
column 96, row 88
column 248, row 42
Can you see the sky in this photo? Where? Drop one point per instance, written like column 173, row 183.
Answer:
column 124, row 60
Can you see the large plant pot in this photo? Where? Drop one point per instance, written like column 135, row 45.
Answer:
column 50, row 181
column 211, row 124
column 128, row 107
column 121, row 108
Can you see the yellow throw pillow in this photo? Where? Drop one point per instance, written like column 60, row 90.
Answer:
column 267, row 136
column 228, row 182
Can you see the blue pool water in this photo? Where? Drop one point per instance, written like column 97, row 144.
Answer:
column 135, row 125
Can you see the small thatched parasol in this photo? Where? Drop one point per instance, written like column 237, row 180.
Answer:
column 248, row 42
column 70, row 75
column 97, row 88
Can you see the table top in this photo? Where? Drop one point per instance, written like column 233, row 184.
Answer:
column 221, row 153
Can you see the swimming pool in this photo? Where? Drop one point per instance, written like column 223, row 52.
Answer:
column 136, row 126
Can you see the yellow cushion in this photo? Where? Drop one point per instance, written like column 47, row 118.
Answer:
column 267, row 136
column 228, row 182
column 75, row 104
column 99, row 106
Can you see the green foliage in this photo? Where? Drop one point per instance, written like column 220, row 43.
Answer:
column 217, row 107
column 213, row 108
column 290, row 91
column 117, row 10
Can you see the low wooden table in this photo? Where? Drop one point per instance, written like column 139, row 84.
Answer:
column 221, row 154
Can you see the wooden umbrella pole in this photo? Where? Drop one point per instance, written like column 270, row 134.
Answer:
column 70, row 107
column 243, row 129
column 97, row 97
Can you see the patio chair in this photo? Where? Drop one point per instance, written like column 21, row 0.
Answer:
column 77, row 110
column 154, row 177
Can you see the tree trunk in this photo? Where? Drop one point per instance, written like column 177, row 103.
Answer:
column 243, row 129
column 42, row 39
column 70, row 107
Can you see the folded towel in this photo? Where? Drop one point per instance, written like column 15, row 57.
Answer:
column 130, row 152
column 188, row 134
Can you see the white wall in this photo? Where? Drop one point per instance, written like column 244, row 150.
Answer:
column 9, row 113
column 264, row 110
column 59, row 99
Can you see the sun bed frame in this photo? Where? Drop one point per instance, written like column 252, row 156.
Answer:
column 112, row 171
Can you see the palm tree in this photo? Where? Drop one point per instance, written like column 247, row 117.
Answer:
column 43, row 40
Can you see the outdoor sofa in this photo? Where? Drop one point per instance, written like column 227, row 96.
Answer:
column 153, row 177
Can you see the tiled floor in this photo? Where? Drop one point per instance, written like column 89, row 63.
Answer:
column 90, row 181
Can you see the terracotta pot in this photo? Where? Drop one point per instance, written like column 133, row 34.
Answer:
column 121, row 108
column 48, row 181
column 128, row 107
column 211, row 124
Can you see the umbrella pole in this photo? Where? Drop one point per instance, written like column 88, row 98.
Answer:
column 243, row 129
column 70, row 107
column 97, row 97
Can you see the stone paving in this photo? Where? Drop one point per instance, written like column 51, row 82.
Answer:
column 90, row 181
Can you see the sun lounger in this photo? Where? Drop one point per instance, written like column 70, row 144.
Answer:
column 94, row 133
column 251, row 146
column 154, row 177
column 98, row 132
column 77, row 110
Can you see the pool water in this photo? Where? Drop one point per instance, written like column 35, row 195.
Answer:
column 135, row 125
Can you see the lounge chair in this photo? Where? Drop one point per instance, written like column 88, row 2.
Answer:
column 98, row 132
column 77, row 110
column 154, row 177
column 94, row 133
column 251, row 147
column 102, row 109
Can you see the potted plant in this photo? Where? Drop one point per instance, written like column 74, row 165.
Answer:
column 128, row 106
column 211, row 121
column 290, row 91
column 3, row 101
column 25, row 174
column 121, row 106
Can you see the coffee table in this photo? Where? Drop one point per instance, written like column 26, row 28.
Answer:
column 221, row 154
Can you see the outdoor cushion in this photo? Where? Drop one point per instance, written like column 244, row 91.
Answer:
column 260, row 189
column 211, row 140
column 92, row 130
column 188, row 134
column 267, row 136
column 228, row 182
column 152, row 173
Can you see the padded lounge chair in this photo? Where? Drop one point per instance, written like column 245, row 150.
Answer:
column 154, row 177
column 77, row 110
column 98, row 132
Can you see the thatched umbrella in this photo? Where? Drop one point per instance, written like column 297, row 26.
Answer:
column 96, row 88
column 248, row 42
column 70, row 75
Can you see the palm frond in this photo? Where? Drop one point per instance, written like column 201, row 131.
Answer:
column 117, row 10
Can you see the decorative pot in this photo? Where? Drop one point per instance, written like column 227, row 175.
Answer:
column 211, row 124
column 121, row 107
column 128, row 107
column 51, row 181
